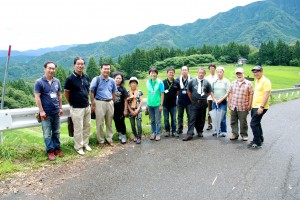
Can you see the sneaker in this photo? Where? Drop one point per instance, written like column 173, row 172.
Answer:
column 88, row 148
column 135, row 139
column 234, row 137
column 222, row 134
column 120, row 136
column 245, row 138
column 51, row 155
column 157, row 138
column 152, row 137
column 200, row 134
column 80, row 151
column 209, row 127
column 123, row 140
column 179, row 132
column 167, row 134
column 58, row 153
column 253, row 145
column 175, row 134
column 138, row 141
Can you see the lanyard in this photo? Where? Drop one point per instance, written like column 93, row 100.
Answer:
column 170, row 85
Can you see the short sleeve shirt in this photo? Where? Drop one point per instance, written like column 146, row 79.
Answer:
column 220, row 87
column 78, row 86
column 155, row 88
column 240, row 93
column 170, row 96
column 261, row 86
column 49, row 94
column 105, row 87
column 193, row 88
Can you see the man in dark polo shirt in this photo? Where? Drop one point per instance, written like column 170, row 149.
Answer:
column 103, row 94
column 169, row 106
column 198, row 91
column 77, row 94
column 47, row 93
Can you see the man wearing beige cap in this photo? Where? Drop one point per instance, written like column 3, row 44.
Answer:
column 239, row 104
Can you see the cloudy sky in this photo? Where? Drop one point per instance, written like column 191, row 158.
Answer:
column 34, row 24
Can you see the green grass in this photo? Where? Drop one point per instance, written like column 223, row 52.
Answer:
column 24, row 149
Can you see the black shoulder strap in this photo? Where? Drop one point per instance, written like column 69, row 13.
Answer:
column 97, row 83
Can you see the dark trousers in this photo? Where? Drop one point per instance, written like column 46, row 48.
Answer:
column 120, row 124
column 209, row 108
column 136, row 121
column 180, row 110
column 197, row 117
column 256, row 125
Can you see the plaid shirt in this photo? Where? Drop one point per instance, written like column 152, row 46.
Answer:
column 240, row 95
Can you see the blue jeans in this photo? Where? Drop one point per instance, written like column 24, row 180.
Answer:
column 51, row 133
column 223, row 106
column 170, row 111
column 155, row 116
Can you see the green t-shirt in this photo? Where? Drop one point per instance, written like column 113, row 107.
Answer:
column 154, row 88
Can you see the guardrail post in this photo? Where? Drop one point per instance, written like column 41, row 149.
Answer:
column 1, row 138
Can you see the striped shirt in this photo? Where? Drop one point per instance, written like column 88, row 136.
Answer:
column 240, row 93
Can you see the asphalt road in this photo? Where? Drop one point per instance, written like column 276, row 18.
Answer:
column 204, row 168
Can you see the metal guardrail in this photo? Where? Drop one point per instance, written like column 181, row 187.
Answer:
column 24, row 117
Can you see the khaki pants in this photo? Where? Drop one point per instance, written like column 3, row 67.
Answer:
column 104, row 112
column 235, row 118
column 81, row 118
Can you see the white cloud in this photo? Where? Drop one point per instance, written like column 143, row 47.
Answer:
column 34, row 24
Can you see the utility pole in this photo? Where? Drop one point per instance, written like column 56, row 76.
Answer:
column 5, row 76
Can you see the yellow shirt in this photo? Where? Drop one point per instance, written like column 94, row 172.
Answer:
column 261, row 86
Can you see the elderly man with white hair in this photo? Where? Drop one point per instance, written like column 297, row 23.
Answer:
column 239, row 103
column 220, row 88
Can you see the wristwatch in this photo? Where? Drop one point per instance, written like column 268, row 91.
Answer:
column 262, row 107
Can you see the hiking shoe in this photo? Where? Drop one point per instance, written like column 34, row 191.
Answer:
column 187, row 137
column 138, row 141
column 209, row 127
column 120, row 136
column 123, row 140
column 234, row 137
column 245, row 138
column 88, row 148
column 152, row 137
column 101, row 145
column 58, row 153
column 179, row 132
column 157, row 138
column 80, row 151
column 167, row 134
column 51, row 155
column 135, row 139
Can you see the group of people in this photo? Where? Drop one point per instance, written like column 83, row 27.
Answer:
column 109, row 100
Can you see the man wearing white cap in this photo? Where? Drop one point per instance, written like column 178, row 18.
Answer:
column 239, row 104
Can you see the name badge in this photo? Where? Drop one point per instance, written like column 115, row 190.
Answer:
column 183, row 91
column 53, row 95
column 166, row 91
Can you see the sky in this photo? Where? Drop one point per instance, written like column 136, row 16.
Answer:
column 34, row 24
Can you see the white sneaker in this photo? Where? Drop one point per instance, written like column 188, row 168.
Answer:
column 80, row 151
column 88, row 148
column 123, row 140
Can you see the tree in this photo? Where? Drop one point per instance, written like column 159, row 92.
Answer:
column 282, row 54
column 92, row 70
column 61, row 74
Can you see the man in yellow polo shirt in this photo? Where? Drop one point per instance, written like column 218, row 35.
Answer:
column 260, row 105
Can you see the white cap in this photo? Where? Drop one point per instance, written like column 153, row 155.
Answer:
column 134, row 79
column 220, row 67
column 239, row 70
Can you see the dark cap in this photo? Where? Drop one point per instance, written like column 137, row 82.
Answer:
column 257, row 68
